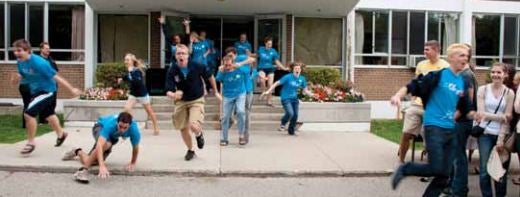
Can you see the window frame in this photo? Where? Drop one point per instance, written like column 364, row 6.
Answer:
column 46, row 7
column 411, row 59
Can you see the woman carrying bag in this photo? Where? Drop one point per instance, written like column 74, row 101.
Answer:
column 494, row 111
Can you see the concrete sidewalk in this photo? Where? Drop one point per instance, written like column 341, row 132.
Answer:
column 270, row 153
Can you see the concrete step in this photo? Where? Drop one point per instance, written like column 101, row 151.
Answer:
column 166, row 108
column 212, row 125
column 211, row 100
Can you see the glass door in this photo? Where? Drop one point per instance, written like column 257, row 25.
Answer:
column 175, row 26
column 274, row 26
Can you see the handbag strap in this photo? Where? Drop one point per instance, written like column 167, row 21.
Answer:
column 498, row 106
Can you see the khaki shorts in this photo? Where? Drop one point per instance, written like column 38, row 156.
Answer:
column 188, row 112
column 413, row 120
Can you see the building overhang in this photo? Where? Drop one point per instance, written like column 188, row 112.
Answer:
column 228, row 7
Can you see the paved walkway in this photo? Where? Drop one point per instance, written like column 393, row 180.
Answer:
column 270, row 153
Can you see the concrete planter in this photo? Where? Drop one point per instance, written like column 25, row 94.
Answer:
column 89, row 110
column 335, row 116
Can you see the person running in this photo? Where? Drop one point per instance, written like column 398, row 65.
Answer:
column 234, row 97
column 185, row 85
column 174, row 39
column 41, row 79
column 459, row 177
column 291, row 83
column 45, row 52
column 494, row 111
column 244, row 63
column 106, row 133
column 443, row 93
column 412, row 124
column 138, row 91
column 242, row 46
column 267, row 58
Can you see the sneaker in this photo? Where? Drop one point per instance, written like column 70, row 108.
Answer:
column 70, row 155
column 224, row 142
column 282, row 128
column 189, row 155
column 298, row 125
column 81, row 175
column 200, row 141
column 397, row 176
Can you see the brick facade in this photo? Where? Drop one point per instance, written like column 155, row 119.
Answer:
column 74, row 74
column 155, row 40
column 382, row 83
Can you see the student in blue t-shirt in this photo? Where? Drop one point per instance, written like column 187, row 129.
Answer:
column 446, row 99
column 199, row 49
column 242, row 46
column 234, row 96
column 138, row 90
column 291, row 83
column 106, row 133
column 41, row 79
column 245, row 63
column 268, row 61
column 174, row 39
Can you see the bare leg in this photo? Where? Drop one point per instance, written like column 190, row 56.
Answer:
column 87, row 160
column 151, row 114
column 186, row 137
column 404, row 146
column 270, row 82
column 262, row 81
column 55, row 124
column 30, row 125
column 130, row 103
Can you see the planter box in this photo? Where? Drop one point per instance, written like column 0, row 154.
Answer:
column 334, row 112
column 90, row 110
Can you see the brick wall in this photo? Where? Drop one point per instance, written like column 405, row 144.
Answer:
column 382, row 83
column 289, row 38
column 155, row 40
column 74, row 74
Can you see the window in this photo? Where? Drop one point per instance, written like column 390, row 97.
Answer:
column 121, row 34
column 2, row 32
column 494, row 42
column 27, row 21
column 66, row 32
column 403, row 45
column 35, row 27
column 318, row 41
column 510, row 40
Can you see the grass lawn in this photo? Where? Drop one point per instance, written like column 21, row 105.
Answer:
column 11, row 130
column 390, row 130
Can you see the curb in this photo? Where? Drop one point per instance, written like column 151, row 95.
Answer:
column 204, row 173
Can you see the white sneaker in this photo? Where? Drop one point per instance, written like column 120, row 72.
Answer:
column 81, row 175
column 70, row 155
column 282, row 128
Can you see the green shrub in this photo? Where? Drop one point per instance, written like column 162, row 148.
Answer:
column 322, row 76
column 107, row 74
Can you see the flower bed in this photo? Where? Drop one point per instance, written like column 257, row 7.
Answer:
column 340, row 91
column 104, row 94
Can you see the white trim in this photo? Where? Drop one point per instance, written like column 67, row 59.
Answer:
column 6, row 33
column 390, row 18
column 89, row 43
column 26, row 21
column 501, row 39
column 38, row 99
column 150, row 40
column 293, row 38
column 46, row 22
column 381, row 66
column 344, row 71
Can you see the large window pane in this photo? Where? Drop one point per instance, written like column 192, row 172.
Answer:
column 120, row 34
column 35, row 24
column 381, row 32
column 399, row 32
column 487, row 35
column 417, row 27
column 17, row 22
column 510, row 32
column 313, row 35
column 2, row 27
column 433, row 26
column 363, row 32
column 66, row 30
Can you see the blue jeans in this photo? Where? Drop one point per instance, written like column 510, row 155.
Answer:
column 459, row 178
column 291, row 107
column 440, row 144
column 486, row 142
column 230, row 104
column 248, row 107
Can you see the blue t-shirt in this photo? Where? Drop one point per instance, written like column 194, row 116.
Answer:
column 110, row 133
column 267, row 57
column 242, row 47
column 246, row 69
column 173, row 49
column 233, row 82
column 290, row 85
column 185, row 71
column 38, row 74
column 441, row 106
column 198, row 51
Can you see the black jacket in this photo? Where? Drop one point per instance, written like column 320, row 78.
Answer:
column 192, row 85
